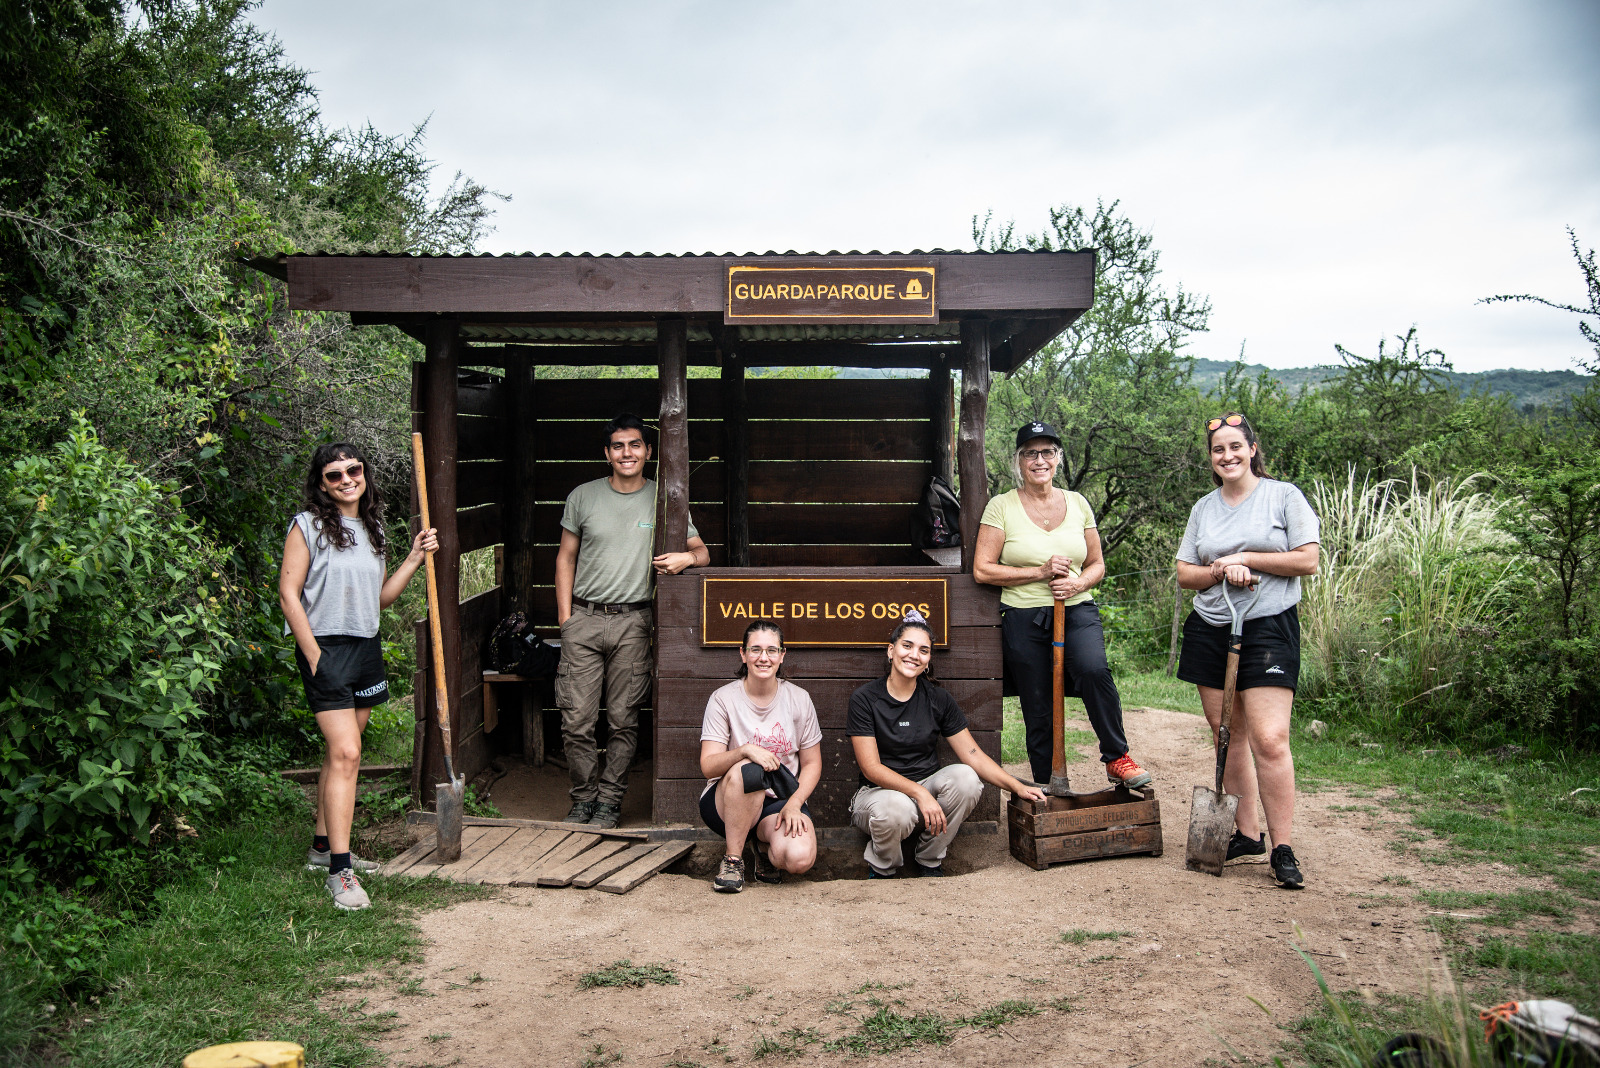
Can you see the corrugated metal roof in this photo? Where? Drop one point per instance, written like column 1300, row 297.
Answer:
column 671, row 255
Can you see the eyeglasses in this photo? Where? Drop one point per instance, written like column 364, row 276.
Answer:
column 769, row 652
column 1217, row 423
column 336, row 476
column 1039, row 454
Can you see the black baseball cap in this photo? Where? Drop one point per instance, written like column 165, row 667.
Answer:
column 1028, row 431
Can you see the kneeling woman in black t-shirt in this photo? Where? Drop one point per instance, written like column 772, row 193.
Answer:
column 895, row 726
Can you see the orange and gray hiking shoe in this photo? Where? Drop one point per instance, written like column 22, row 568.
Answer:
column 1125, row 772
column 346, row 891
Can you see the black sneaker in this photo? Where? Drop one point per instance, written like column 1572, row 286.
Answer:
column 1240, row 846
column 766, row 871
column 730, row 876
column 874, row 873
column 1285, row 869
column 605, row 815
column 582, row 812
column 925, row 872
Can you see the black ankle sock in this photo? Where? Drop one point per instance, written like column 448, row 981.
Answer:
column 338, row 862
column 319, row 842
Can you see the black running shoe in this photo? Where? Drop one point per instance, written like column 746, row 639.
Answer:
column 925, row 872
column 766, row 871
column 582, row 812
column 1286, row 869
column 1240, row 846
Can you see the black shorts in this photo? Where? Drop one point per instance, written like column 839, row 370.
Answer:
column 1270, row 655
column 708, row 809
column 349, row 675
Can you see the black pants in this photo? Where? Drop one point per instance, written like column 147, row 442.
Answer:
column 1026, row 633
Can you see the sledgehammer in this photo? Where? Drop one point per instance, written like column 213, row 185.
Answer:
column 447, row 796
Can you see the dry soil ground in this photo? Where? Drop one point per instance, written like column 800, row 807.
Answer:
column 1201, row 962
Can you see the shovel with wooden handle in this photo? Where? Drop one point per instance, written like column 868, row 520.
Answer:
column 1058, row 695
column 447, row 796
column 1212, row 814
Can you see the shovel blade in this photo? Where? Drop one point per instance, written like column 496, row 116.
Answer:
column 447, row 801
column 1211, row 817
column 1059, row 787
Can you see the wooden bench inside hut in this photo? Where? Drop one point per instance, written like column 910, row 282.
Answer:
column 787, row 479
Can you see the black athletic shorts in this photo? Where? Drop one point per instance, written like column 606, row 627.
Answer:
column 708, row 809
column 1270, row 655
column 349, row 675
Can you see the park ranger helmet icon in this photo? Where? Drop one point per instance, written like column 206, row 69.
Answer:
column 914, row 289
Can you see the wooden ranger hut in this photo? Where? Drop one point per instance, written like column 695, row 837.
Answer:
column 802, row 488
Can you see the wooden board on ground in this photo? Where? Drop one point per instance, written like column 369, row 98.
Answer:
column 616, row 862
column 564, row 873
column 422, row 823
column 430, row 864
column 399, row 865
column 645, row 867
column 575, row 844
column 522, row 850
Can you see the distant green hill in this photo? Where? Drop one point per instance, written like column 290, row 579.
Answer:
column 1525, row 387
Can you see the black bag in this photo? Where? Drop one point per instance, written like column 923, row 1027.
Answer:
column 936, row 519
column 781, row 782
column 515, row 650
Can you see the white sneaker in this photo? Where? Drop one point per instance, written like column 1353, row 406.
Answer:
column 319, row 859
column 346, row 891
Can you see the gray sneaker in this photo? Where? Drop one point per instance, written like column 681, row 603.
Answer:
column 315, row 860
column 730, row 876
column 605, row 815
column 346, row 891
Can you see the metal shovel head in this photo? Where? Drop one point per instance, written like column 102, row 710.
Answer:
column 447, row 802
column 1059, row 787
column 1211, row 817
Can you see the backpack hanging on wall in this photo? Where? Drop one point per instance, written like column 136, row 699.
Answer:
column 936, row 519
column 515, row 650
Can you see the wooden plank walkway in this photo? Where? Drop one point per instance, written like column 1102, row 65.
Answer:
column 536, row 853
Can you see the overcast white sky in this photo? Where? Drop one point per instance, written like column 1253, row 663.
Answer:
column 1325, row 172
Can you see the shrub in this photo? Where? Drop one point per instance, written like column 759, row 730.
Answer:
column 111, row 637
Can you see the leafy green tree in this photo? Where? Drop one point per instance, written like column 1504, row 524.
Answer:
column 1116, row 383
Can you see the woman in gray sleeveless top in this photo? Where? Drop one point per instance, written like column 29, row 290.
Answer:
column 332, row 588
column 1250, row 530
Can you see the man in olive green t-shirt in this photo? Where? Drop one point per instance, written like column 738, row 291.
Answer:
column 603, row 579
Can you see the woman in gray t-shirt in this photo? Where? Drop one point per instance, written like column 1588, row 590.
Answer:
column 331, row 589
column 1250, row 529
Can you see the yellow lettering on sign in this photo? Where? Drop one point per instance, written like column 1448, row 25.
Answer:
column 833, row 292
column 924, row 609
column 783, row 292
column 809, row 294
column 739, row 612
column 858, row 610
column 726, row 608
column 741, row 291
column 811, row 610
column 768, row 293
column 797, row 610
column 777, row 610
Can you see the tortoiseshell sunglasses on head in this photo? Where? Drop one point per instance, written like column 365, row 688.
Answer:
column 1217, row 423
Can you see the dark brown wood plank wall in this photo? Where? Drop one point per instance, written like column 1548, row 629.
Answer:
column 688, row 673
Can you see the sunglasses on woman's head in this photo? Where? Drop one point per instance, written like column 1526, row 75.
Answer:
column 336, row 476
column 1220, row 421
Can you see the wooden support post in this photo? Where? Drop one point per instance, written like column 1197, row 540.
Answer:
column 521, row 457
column 974, row 423
column 736, row 460
column 942, row 403
column 532, row 726
column 1177, row 624
column 442, row 351
column 672, row 455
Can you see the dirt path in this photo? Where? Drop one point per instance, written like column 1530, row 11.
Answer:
column 1196, row 956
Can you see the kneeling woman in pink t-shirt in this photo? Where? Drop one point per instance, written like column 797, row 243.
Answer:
column 761, row 737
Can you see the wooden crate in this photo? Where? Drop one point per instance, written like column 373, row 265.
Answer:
column 1107, row 823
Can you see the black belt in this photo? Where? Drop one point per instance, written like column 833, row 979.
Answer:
column 609, row 609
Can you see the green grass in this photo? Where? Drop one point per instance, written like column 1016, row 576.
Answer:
column 1013, row 737
column 887, row 1031
column 1077, row 936
column 790, row 1043
column 998, row 1015
column 242, row 948
column 1528, row 813
column 627, row 973
column 1156, row 689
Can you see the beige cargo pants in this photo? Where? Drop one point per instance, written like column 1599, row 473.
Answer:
column 609, row 652
column 889, row 817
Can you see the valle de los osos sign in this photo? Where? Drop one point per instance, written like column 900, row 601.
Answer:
column 798, row 293
column 822, row 611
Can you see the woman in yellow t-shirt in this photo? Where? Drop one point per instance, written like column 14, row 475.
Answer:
column 1040, row 544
